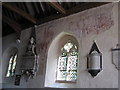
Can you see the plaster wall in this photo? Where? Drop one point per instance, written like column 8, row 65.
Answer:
column 9, row 43
column 100, row 24
column 79, row 25
column 108, row 38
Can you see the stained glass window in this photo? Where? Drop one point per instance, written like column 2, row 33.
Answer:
column 12, row 65
column 67, row 62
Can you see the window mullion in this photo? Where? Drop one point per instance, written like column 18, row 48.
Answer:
column 66, row 67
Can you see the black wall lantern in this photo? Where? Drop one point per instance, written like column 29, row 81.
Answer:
column 94, row 60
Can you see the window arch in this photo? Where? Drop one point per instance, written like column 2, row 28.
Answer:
column 12, row 63
column 67, row 62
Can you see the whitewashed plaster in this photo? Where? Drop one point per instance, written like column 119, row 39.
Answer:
column 82, row 26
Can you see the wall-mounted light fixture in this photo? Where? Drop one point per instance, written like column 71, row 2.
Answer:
column 94, row 60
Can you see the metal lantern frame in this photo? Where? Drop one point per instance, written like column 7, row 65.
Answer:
column 116, row 56
column 91, row 60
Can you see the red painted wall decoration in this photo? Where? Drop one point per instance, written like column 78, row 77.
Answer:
column 95, row 21
column 47, row 36
column 44, row 40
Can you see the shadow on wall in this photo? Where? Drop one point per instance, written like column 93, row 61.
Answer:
column 53, row 54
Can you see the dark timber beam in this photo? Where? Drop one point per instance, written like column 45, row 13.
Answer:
column 16, row 27
column 57, row 6
column 73, row 10
column 20, row 12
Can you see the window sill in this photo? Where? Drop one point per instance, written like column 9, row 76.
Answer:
column 64, row 81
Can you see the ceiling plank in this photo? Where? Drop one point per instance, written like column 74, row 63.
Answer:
column 57, row 6
column 20, row 12
column 73, row 10
column 16, row 27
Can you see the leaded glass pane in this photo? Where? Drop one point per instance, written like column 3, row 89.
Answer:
column 72, row 66
column 9, row 67
column 68, row 46
column 12, row 65
column 75, row 46
column 67, row 63
column 61, row 72
column 61, row 75
column 72, row 63
column 71, row 75
column 62, row 62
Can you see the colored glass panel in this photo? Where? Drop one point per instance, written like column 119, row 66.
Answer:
column 67, row 63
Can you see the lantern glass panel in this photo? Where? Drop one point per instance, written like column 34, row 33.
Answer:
column 94, row 62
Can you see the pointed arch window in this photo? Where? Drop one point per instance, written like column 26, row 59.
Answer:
column 12, row 65
column 67, row 62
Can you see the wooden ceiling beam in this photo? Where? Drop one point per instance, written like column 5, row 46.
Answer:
column 57, row 6
column 20, row 12
column 16, row 27
column 73, row 10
